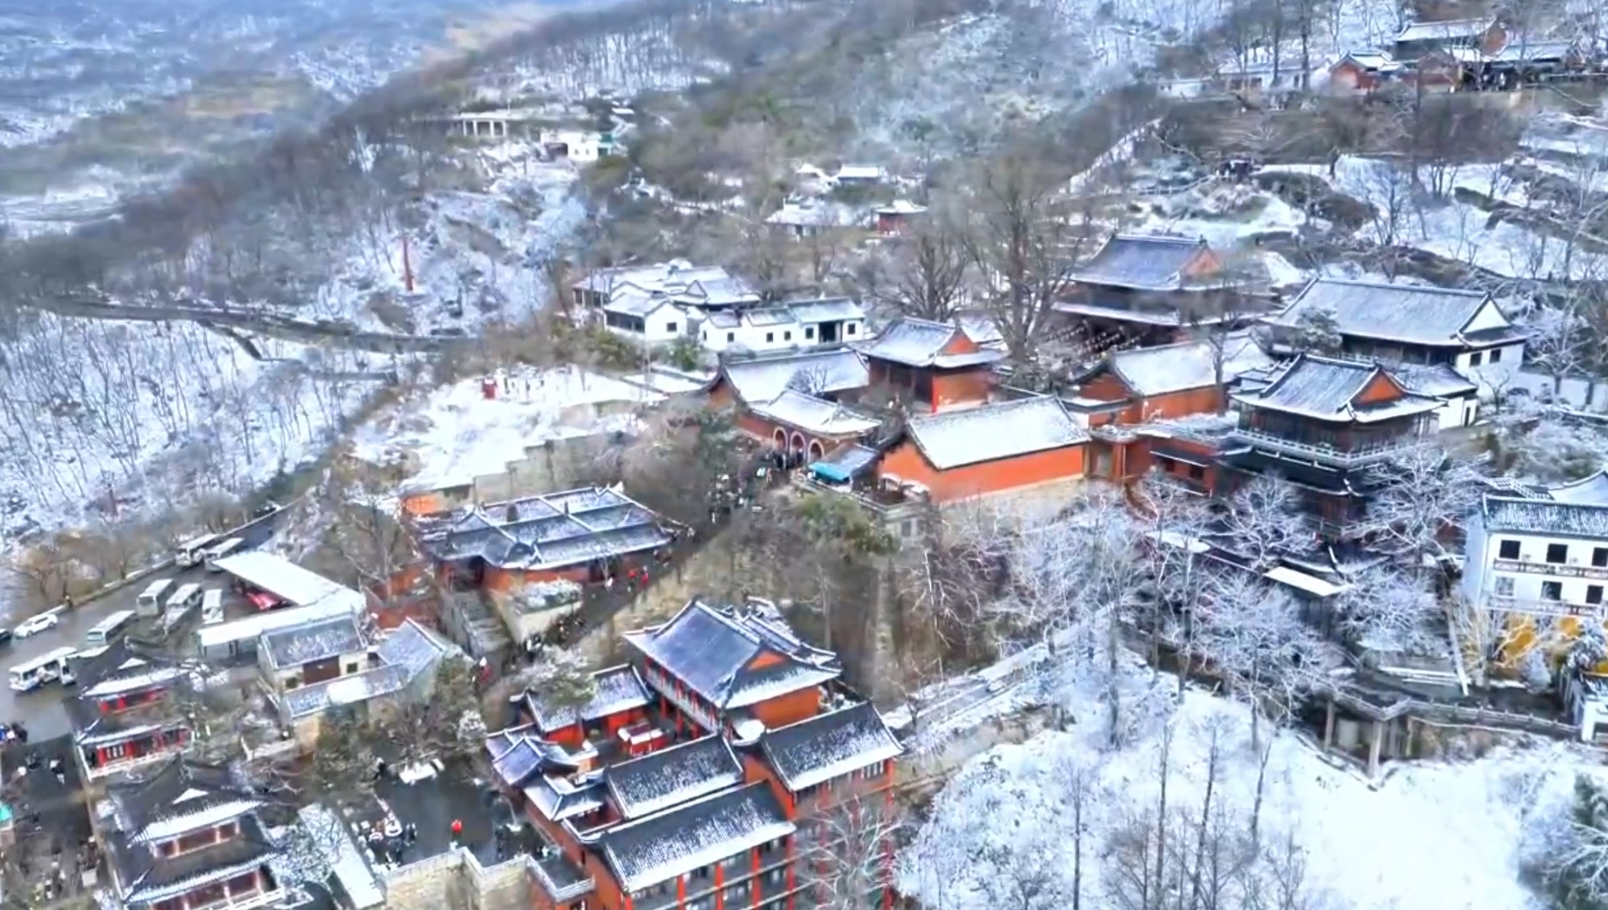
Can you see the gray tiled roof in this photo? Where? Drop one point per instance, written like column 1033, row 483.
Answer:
column 816, row 372
column 669, row 777
column 709, row 649
column 301, row 645
column 1142, row 262
column 1325, row 388
column 1524, row 515
column 920, row 343
column 815, row 415
column 1591, row 490
column 1437, row 380
column 826, row 309
column 547, row 531
column 518, row 754
column 993, row 431
column 617, row 689
column 829, row 745
column 1189, row 365
column 660, row 847
column 1393, row 312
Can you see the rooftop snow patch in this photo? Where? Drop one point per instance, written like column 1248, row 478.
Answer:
column 551, row 530
column 456, row 433
column 923, row 343
column 1328, row 389
column 1524, row 515
column 828, row 746
column 816, row 373
column 1152, row 262
column 713, row 650
column 1189, row 365
column 815, row 415
column 669, row 777
column 1591, row 490
column 1445, row 30
column 289, row 582
column 677, row 281
column 617, row 689
column 1008, row 429
column 1429, row 316
column 661, row 847
column 304, row 644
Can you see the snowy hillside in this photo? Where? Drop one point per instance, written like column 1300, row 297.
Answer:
column 1442, row 835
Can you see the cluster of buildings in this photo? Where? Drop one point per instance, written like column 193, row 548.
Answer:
column 1460, row 54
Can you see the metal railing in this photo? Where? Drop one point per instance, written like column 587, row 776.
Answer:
column 1352, row 456
column 1557, row 608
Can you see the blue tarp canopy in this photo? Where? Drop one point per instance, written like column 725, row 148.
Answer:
column 831, row 472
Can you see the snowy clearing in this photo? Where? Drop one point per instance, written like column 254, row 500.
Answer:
column 1442, row 835
column 456, row 433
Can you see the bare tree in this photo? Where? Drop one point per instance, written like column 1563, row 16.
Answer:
column 928, row 270
column 847, row 855
column 1025, row 235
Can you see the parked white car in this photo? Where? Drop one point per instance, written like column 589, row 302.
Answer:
column 37, row 624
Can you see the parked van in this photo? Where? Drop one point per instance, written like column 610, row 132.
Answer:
column 212, row 607
column 221, row 550
column 149, row 603
column 107, row 630
column 192, row 551
column 47, row 668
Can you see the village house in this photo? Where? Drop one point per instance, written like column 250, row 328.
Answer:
column 575, row 535
column 812, row 218
column 188, row 837
column 797, row 402
column 1155, row 288
column 692, row 777
column 1004, row 447
column 1521, row 60
column 401, row 668
column 1255, row 73
column 1397, row 323
column 1324, row 425
column 786, row 326
column 1362, row 72
column 658, row 303
column 123, row 713
column 897, row 216
column 859, row 175
column 1538, row 561
column 930, row 366
column 1417, row 39
column 1129, row 389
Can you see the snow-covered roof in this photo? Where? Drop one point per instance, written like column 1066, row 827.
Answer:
column 825, row 309
column 616, row 689
column 635, row 302
column 678, row 281
column 815, row 415
column 1325, row 388
column 1445, row 30
column 251, row 628
column 715, row 652
column 547, row 531
column 814, row 214
column 284, row 579
column 828, row 746
column 981, row 327
column 670, row 777
column 145, row 878
column 860, row 172
column 1434, row 317
column 178, row 797
column 658, row 848
column 1524, row 515
column 558, row 799
column 902, row 207
column 408, row 652
column 1592, row 491
column 923, row 343
column 1006, row 429
column 304, row 644
column 517, row 754
column 1155, row 262
column 1437, row 380
column 120, row 670
column 1188, row 365
column 346, row 861
column 816, row 372
column 1520, row 50
column 1372, row 60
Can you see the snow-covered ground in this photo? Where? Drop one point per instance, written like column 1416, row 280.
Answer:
column 1445, row 835
column 456, row 433
column 1450, row 228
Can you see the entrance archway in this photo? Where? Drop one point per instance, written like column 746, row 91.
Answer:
column 817, row 451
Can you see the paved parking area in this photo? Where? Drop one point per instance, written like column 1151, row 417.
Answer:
column 41, row 710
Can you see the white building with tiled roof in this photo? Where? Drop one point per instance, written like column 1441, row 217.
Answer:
column 786, row 326
column 1542, row 553
column 659, row 303
column 1401, row 323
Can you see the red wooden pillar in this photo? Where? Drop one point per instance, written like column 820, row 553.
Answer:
column 681, row 891
column 792, row 874
column 753, row 862
column 720, row 885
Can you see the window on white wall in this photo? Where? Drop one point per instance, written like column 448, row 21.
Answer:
column 1475, row 358
column 1496, row 356
column 1504, row 586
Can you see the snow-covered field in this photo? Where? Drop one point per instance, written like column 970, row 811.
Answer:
column 456, row 433
column 1446, row 835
